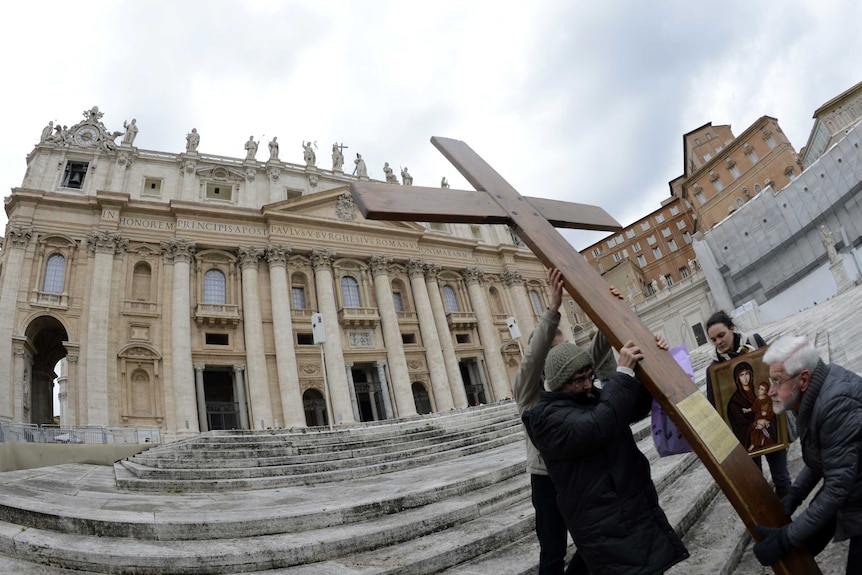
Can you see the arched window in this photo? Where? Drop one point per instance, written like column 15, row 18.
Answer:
column 350, row 292
column 55, row 271
column 215, row 287
column 141, row 282
column 536, row 300
column 297, row 291
column 739, row 202
column 450, row 299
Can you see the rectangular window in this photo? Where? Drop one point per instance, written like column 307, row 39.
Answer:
column 625, row 253
column 651, row 240
column 619, row 239
column 707, row 156
column 665, row 232
column 439, row 226
column 408, row 338
column 630, row 233
column 753, row 157
column 612, row 242
column 734, row 171
column 216, row 339
column 152, row 187
column 298, row 297
column 718, row 185
column 304, row 339
column 644, row 225
column 680, row 225
column 771, row 141
column 656, row 253
column 659, row 218
column 618, row 257
column 397, row 301
column 462, row 338
column 74, row 175
column 476, row 230
column 641, row 260
column 637, row 247
column 668, row 280
column 219, row 192
column 671, row 245
column 700, row 198
column 683, row 272
column 687, row 237
column 674, row 210
column 597, row 252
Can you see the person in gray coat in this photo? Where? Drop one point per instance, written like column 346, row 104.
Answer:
column 827, row 400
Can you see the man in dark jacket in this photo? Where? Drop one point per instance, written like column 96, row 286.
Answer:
column 827, row 400
column 604, row 489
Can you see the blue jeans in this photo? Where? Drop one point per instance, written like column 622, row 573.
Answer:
column 551, row 531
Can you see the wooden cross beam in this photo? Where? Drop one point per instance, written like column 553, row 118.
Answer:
column 534, row 219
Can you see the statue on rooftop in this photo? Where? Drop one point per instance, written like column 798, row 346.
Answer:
column 192, row 140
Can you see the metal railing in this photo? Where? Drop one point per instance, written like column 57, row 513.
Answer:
column 86, row 434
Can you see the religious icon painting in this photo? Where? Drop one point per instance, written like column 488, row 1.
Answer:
column 740, row 387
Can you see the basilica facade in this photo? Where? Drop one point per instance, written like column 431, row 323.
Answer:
column 193, row 292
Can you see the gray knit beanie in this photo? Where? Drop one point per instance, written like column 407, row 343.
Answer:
column 564, row 361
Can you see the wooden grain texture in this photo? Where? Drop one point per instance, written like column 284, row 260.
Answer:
column 736, row 474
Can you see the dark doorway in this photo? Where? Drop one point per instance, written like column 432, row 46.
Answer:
column 315, row 408
column 475, row 391
column 699, row 335
column 47, row 335
column 369, row 393
column 421, row 398
column 222, row 407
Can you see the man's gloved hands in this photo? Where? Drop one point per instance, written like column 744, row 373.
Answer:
column 773, row 545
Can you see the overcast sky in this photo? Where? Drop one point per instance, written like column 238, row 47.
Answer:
column 581, row 101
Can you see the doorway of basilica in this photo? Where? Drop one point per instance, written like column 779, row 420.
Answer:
column 36, row 358
column 369, row 392
column 221, row 403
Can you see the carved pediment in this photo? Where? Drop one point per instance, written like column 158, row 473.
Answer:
column 139, row 351
column 221, row 174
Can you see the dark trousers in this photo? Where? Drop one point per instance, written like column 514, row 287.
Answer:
column 551, row 531
column 777, row 461
column 854, row 556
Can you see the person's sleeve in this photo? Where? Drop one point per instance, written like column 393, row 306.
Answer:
column 600, row 349
column 528, row 379
column 839, row 437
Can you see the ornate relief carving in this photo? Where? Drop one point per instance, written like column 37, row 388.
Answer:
column 360, row 339
column 345, row 207
column 276, row 255
column 433, row 271
column 309, row 368
column 106, row 242
column 321, row 258
column 250, row 256
column 379, row 264
column 416, row 267
column 473, row 275
column 177, row 250
column 416, row 364
column 18, row 236
column 512, row 277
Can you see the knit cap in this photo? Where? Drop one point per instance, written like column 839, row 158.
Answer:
column 564, row 361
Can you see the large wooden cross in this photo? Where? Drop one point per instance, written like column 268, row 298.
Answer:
column 534, row 219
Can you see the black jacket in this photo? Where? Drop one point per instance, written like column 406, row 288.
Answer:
column 604, row 489
column 830, row 429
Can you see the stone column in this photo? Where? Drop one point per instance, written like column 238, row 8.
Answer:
column 22, row 378
column 384, row 388
column 479, row 366
column 453, row 370
column 14, row 248
column 348, row 372
column 523, row 308
column 239, row 392
column 282, row 327
column 201, row 395
column 392, row 336
column 69, row 404
column 179, row 253
column 103, row 245
column 487, row 334
column 258, row 376
column 63, row 390
column 430, row 339
column 321, row 260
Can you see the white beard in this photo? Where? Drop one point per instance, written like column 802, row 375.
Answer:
column 792, row 402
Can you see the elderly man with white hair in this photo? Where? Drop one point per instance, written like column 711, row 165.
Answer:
column 827, row 400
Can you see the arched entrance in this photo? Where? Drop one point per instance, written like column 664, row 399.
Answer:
column 315, row 408
column 45, row 336
column 421, row 399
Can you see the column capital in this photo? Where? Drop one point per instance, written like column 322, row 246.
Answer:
column 276, row 255
column 416, row 267
column 321, row 258
column 249, row 256
column 379, row 264
column 199, row 367
column 473, row 275
column 177, row 250
column 239, row 368
column 18, row 236
column 512, row 277
column 432, row 271
column 100, row 241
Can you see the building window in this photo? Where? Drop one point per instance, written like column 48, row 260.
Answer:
column 671, row 245
column 683, row 272
column 668, row 280
column 612, row 242
column 734, row 171
column 597, row 252
column 665, row 232
column 700, row 197
column 620, row 239
column 659, row 218
column 752, row 155
column 739, row 202
column 656, row 252
column 697, row 141
column 680, row 225
column 674, row 210
column 757, row 188
column 476, row 231
column 398, row 301
column 625, row 253
column 630, row 233
column 536, row 301
column 297, row 296
column 708, row 136
column 215, row 287
column 350, row 292
column 707, row 156
column 641, row 260
column 439, row 226
column 152, row 187
column 55, row 271
column 141, row 282
column 644, row 226
column 450, row 299
column 618, row 257
column 219, row 192
column 687, row 237
column 651, row 240
column 74, row 175
column 636, row 247
column 718, row 185
column 771, row 142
